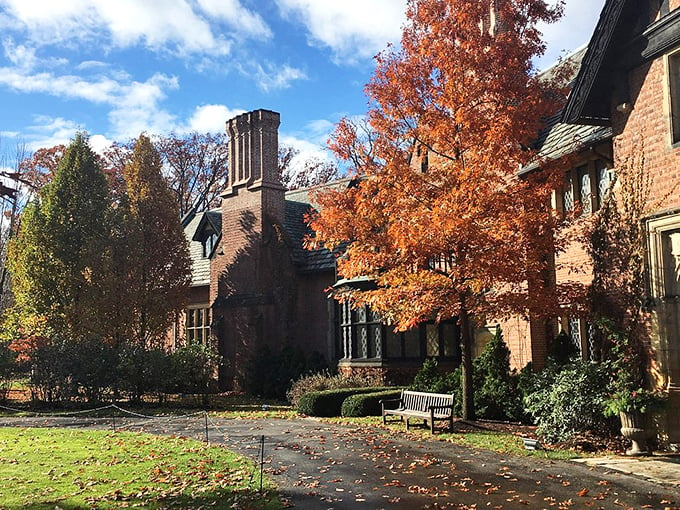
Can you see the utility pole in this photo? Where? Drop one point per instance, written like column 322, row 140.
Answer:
column 9, row 205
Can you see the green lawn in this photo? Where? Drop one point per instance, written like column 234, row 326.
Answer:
column 499, row 442
column 69, row 469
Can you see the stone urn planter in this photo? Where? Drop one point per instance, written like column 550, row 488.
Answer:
column 633, row 428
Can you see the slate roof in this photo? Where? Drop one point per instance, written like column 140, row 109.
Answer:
column 200, row 265
column 558, row 138
column 298, row 203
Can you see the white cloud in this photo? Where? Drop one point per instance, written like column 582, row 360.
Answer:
column 238, row 17
column 100, row 89
column 49, row 131
column 269, row 77
column 88, row 65
column 175, row 25
column 210, row 118
column 20, row 55
column 100, row 143
column 135, row 105
column 352, row 29
column 311, row 141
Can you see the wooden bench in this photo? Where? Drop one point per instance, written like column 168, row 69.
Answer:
column 418, row 404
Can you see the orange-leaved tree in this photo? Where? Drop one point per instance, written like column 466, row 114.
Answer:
column 157, row 252
column 439, row 218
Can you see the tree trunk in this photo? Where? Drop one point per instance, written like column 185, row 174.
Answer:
column 466, row 362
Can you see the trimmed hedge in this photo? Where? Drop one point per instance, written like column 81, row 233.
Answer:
column 367, row 404
column 328, row 403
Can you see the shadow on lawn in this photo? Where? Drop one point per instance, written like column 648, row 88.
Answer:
column 219, row 499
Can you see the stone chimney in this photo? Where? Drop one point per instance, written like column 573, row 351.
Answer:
column 253, row 150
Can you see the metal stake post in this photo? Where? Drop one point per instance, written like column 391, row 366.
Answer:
column 205, row 416
column 261, row 460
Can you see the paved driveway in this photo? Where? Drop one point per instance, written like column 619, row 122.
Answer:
column 318, row 465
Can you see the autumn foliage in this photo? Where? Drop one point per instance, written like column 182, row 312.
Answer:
column 91, row 264
column 438, row 215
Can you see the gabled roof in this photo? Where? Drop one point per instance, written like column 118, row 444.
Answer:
column 298, row 204
column 557, row 138
column 622, row 40
column 200, row 265
column 211, row 221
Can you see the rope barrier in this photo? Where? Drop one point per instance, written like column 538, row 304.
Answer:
column 207, row 420
column 57, row 413
column 118, row 423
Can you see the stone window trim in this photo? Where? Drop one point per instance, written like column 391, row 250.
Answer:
column 663, row 256
column 673, row 66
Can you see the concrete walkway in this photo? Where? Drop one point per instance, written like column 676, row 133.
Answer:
column 658, row 468
column 328, row 466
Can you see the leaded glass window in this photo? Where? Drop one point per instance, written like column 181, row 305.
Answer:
column 585, row 190
column 575, row 332
column 412, row 343
column 604, row 181
column 568, row 195
column 674, row 78
column 432, row 340
column 393, row 344
column 450, row 339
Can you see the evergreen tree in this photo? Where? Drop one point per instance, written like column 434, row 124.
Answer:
column 159, row 267
column 496, row 394
column 59, row 261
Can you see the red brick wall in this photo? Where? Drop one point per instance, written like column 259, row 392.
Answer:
column 312, row 330
column 647, row 125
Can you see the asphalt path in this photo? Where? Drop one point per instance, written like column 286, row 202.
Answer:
column 317, row 465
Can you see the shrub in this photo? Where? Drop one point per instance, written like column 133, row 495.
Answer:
column 325, row 380
column 144, row 370
column 50, row 380
column 194, row 368
column 430, row 379
column 328, row 403
column 568, row 401
column 8, row 369
column 562, row 349
column 92, row 365
column 367, row 404
column 494, row 385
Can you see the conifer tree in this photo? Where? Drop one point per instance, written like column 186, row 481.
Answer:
column 59, row 259
column 158, row 263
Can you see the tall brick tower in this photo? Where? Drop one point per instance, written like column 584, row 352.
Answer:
column 252, row 280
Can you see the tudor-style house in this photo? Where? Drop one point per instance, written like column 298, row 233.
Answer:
column 625, row 103
column 255, row 285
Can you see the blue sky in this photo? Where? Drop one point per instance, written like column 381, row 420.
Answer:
column 115, row 68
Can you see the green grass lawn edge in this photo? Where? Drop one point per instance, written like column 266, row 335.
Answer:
column 47, row 468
